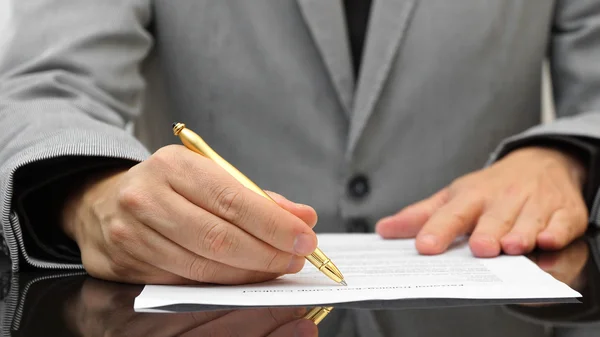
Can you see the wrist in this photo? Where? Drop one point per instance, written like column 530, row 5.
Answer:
column 77, row 208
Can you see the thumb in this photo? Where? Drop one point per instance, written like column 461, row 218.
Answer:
column 408, row 222
column 304, row 212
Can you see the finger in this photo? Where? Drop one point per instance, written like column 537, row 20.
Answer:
column 493, row 224
column 457, row 217
column 145, row 244
column 304, row 212
column 225, row 197
column 298, row 328
column 209, row 236
column 411, row 219
column 247, row 322
column 532, row 219
column 565, row 225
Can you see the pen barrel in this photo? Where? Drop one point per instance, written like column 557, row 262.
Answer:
column 194, row 142
column 317, row 314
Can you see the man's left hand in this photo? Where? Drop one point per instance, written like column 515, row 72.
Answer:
column 530, row 197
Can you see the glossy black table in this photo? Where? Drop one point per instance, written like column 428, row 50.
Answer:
column 62, row 304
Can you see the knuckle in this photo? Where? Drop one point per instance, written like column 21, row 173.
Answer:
column 165, row 156
column 271, row 263
column 496, row 220
column 230, row 202
column 165, row 162
column 219, row 240
column 470, row 191
column 132, row 197
column 119, row 232
column 271, row 229
column 203, row 270
column 458, row 219
column 539, row 221
column 210, row 272
column 120, row 263
column 514, row 190
column 474, row 194
column 196, row 269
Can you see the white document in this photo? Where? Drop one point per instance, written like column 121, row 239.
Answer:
column 378, row 269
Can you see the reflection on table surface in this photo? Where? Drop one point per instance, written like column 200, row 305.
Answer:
column 63, row 304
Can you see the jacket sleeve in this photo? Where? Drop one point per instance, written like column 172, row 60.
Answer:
column 70, row 87
column 575, row 67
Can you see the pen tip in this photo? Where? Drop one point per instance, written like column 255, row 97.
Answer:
column 344, row 283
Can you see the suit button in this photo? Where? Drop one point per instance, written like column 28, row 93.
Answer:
column 358, row 186
column 358, row 225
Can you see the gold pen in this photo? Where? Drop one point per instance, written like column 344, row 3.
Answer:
column 317, row 314
column 195, row 143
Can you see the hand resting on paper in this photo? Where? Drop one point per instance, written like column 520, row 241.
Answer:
column 179, row 218
column 106, row 309
column 532, row 197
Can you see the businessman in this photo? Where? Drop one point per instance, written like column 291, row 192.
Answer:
column 411, row 118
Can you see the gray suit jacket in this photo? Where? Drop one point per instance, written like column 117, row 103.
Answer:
column 445, row 87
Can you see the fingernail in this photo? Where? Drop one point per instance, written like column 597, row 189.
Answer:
column 299, row 312
column 296, row 264
column 513, row 244
column 429, row 240
column 304, row 244
column 546, row 236
column 485, row 246
column 304, row 328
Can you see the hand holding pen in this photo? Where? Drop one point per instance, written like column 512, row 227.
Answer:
column 195, row 143
column 178, row 217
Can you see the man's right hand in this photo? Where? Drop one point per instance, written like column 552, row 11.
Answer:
column 179, row 218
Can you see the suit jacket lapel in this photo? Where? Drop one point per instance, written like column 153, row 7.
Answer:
column 326, row 22
column 387, row 24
